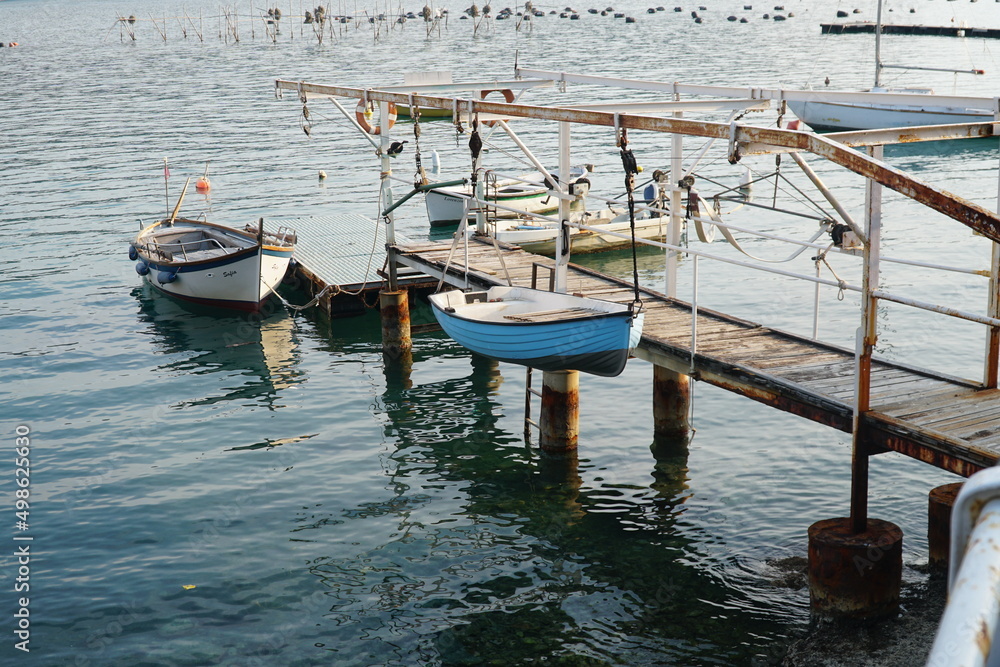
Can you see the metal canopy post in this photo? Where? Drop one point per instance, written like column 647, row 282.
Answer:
column 674, row 230
column 562, row 240
column 385, row 192
column 865, row 346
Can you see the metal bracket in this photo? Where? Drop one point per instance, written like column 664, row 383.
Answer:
column 734, row 146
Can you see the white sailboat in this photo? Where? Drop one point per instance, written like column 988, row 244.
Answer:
column 890, row 107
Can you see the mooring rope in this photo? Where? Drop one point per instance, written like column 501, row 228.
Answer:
column 631, row 169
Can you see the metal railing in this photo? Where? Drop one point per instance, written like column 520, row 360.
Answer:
column 967, row 632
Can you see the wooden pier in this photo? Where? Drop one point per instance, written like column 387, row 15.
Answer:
column 888, row 29
column 948, row 422
column 945, row 421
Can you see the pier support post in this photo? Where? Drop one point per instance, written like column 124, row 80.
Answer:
column 939, row 503
column 560, row 416
column 855, row 575
column 671, row 402
column 394, row 308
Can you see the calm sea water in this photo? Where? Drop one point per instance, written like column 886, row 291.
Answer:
column 211, row 490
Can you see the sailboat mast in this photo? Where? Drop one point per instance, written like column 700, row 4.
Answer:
column 878, row 45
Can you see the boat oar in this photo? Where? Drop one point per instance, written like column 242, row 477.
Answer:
column 177, row 208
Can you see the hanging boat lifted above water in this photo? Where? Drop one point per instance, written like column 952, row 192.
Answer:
column 544, row 330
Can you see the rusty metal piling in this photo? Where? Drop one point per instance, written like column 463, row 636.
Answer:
column 559, row 421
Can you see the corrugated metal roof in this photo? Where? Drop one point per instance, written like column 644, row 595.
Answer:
column 339, row 249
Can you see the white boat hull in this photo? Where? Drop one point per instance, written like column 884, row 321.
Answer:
column 239, row 273
column 861, row 116
column 615, row 234
column 446, row 206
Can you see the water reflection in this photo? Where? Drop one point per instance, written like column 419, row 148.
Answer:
column 498, row 550
column 198, row 340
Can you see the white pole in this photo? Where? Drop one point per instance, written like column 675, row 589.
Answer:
column 674, row 230
column 562, row 241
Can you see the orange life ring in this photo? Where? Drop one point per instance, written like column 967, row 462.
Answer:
column 508, row 97
column 359, row 113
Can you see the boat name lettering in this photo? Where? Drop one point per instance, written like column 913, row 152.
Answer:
column 228, row 274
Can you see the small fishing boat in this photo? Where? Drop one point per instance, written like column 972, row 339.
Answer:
column 613, row 231
column 528, row 193
column 882, row 107
column 206, row 263
column 885, row 107
column 544, row 330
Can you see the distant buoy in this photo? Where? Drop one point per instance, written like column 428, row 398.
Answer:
column 793, row 124
column 322, row 175
column 435, row 162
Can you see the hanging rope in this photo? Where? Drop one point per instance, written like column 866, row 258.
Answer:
column 420, row 177
column 631, row 169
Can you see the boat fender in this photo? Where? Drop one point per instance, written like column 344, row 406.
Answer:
column 363, row 114
column 649, row 193
column 166, row 276
column 133, row 254
column 141, row 268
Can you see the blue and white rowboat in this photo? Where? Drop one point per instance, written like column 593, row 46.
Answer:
column 543, row 330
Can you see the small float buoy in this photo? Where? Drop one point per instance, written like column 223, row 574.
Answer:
column 322, row 175
column 203, row 184
column 792, row 125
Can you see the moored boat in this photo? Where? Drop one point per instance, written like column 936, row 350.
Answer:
column 882, row 107
column 612, row 231
column 544, row 330
column 211, row 264
column 529, row 193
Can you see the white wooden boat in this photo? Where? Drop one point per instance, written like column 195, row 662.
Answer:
column 543, row 330
column 882, row 107
column 885, row 107
column 527, row 193
column 206, row 263
column 615, row 229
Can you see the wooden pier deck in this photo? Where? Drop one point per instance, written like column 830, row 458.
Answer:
column 945, row 421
